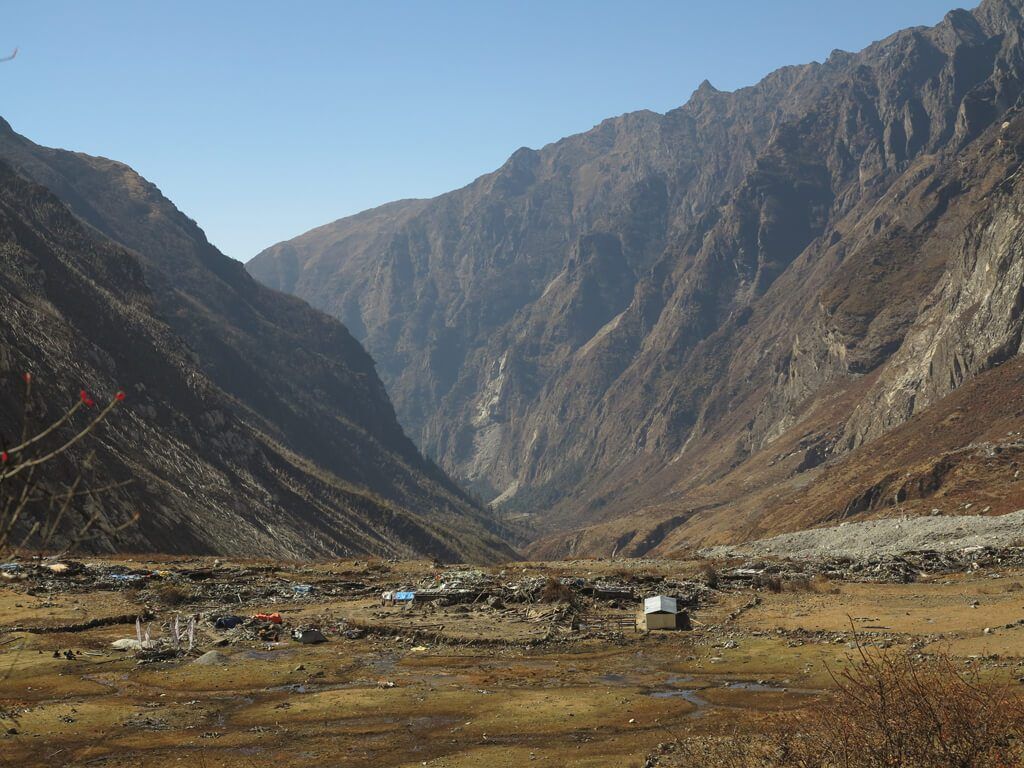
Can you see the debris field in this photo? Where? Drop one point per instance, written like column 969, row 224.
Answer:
column 163, row 661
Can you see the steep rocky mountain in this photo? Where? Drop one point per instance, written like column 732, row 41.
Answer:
column 253, row 424
column 673, row 327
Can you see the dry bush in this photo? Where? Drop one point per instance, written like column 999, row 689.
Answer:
column 555, row 591
column 738, row 750
column 710, row 575
column 888, row 711
column 771, row 583
column 171, row 595
column 799, row 584
column 685, row 554
column 133, row 595
column 37, row 507
column 823, row 585
column 818, row 584
column 38, row 504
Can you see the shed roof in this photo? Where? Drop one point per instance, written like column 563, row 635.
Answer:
column 660, row 604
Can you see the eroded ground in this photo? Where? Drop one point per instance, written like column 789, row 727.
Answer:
column 471, row 684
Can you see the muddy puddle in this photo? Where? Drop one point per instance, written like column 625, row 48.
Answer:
column 697, row 692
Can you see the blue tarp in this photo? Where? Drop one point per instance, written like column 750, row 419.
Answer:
column 405, row 596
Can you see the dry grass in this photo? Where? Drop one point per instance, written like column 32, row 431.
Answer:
column 818, row 584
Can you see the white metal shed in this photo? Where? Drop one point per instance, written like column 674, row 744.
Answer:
column 660, row 612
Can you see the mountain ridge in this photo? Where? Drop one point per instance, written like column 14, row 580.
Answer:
column 575, row 324
column 292, row 418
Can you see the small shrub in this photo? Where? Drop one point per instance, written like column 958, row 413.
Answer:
column 684, row 554
column 771, row 583
column 710, row 575
column 799, row 584
column 823, row 585
column 818, row 584
column 555, row 591
column 171, row 595
column 40, row 502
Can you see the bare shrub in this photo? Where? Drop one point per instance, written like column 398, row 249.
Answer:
column 919, row 711
column 36, row 506
column 823, row 585
column 710, row 575
column 889, row 710
column 737, row 750
column 684, row 554
column 799, row 584
column 133, row 595
column 171, row 595
column 555, row 591
column 771, row 583
column 818, row 584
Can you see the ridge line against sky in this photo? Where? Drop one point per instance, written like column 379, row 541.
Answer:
column 262, row 122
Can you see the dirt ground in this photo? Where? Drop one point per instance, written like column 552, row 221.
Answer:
column 457, row 685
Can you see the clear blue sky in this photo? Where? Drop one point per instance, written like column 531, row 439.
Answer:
column 264, row 119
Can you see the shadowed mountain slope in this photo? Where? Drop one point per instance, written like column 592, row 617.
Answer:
column 255, row 425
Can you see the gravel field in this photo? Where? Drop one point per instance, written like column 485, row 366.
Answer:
column 892, row 536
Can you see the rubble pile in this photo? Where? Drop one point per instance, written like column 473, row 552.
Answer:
column 864, row 539
column 219, row 584
column 458, row 586
column 885, row 568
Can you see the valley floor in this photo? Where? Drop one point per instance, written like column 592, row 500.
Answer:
column 544, row 675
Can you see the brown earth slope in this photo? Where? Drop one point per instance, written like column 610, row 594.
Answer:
column 254, row 424
column 611, row 329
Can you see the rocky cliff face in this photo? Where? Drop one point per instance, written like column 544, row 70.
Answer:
column 630, row 323
column 254, row 424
